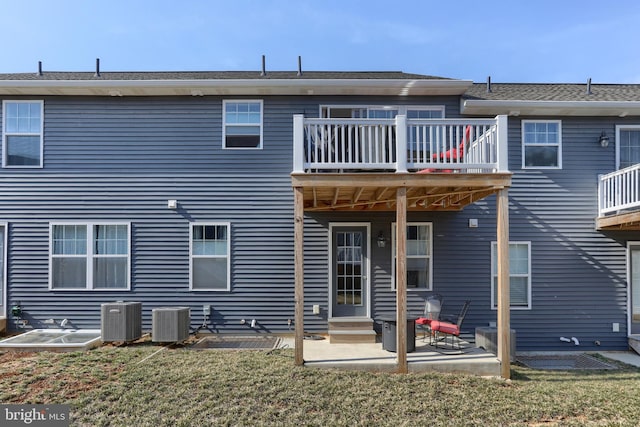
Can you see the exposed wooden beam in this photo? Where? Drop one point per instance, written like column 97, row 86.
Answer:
column 298, row 257
column 336, row 193
column 395, row 180
column 414, row 195
column 356, row 195
column 429, row 200
column 504, row 287
column 380, row 193
column 624, row 221
column 401, row 279
column 378, row 196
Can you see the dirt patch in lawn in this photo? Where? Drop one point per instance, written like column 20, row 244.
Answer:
column 27, row 377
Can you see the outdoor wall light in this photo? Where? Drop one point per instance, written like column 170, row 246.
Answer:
column 382, row 242
column 603, row 140
column 172, row 204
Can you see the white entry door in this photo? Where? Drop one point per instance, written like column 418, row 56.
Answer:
column 350, row 271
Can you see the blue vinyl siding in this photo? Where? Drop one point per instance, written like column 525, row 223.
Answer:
column 121, row 159
column 261, row 250
column 579, row 274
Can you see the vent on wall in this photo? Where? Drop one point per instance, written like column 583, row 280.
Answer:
column 170, row 324
column 121, row 321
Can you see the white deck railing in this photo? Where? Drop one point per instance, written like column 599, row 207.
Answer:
column 619, row 190
column 400, row 144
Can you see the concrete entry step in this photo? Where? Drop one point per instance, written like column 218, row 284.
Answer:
column 347, row 323
column 354, row 336
column 351, row 330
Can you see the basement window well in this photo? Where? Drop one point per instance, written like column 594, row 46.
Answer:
column 53, row 340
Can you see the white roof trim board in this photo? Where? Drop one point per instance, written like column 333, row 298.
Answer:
column 202, row 87
column 538, row 108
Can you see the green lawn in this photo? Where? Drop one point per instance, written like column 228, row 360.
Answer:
column 147, row 386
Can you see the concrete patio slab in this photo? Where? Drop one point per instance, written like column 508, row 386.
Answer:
column 628, row 357
column 320, row 353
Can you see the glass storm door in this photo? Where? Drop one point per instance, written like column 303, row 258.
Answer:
column 349, row 272
column 634, row 270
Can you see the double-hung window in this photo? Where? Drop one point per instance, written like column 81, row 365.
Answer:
column 382, row 111
column 242, row 124
column 420, row 137
column 22, row 126
column 542, row 144
column 519, row 274
column 628, row 143
column 210, row 261
column 419, row 255
column 90, row 256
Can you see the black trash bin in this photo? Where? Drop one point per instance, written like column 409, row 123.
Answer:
column 389, row 335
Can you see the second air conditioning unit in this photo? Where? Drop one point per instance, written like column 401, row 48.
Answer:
column 170, row 324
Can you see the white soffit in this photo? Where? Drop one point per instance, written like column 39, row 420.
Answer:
column 225, row 87
column 546, row 108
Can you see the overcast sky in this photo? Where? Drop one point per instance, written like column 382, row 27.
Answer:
column 511, row 41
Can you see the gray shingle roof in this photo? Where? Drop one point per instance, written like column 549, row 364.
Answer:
column 219, row 75
column 553, row 92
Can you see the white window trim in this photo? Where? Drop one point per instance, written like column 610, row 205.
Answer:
column 618, row 129
column 495, row 274
column 402, row 109
column 630, row 245
column 3, row 272
column 224, row 123
column 5, row 134
column 90, row 256
column 559, row 145
column 393, row 256
column 192, row 256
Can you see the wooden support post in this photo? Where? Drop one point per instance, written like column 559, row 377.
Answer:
column 298, row 256
column 504, row 287
column 401, row 279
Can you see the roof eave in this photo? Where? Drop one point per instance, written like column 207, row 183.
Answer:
column 252, row 87
column 546, row 108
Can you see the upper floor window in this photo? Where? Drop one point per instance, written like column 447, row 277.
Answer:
column 419, row 250
column 519, row 274
column 89, row 256
column 22, row 133
column 628, row 138
column 541, row 144
column 382, row 112
column 210, row 259
column 242, row 124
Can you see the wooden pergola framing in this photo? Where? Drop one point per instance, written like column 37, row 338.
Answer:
column 400, row 193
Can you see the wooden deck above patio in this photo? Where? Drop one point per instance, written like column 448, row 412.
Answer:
column 619, row 200
column 623, row 221
column 377, row 191
column 401, row 165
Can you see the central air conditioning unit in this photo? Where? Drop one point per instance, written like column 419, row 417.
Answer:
column 121, row 321
column 170, row 324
